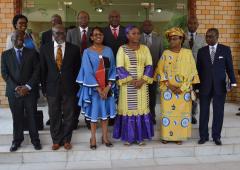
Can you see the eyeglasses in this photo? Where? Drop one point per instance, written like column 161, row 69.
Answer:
column 59, row 33
column 173, row 38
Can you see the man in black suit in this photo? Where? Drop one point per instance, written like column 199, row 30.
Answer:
column 20, row 69
column 114, row 33
column 60, row 63
column 114, row 37
column 213, row 62
column 48, row 37
column 80, row 36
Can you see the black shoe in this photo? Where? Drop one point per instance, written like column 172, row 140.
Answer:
column 194, row 120
column 217, row 141
column 202, row 141
column 238, row 114
column 48, row 122
column 154, row 121
column 111, row 122
column 37, row 146
column 14, row 147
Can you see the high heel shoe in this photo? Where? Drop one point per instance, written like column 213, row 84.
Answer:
column 93, row 147
column 107, row 144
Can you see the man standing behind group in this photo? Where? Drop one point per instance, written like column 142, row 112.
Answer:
column 47, row 36
column 194, row 42
column 114, row 33
column 155, row 45
column 114, row 37
column 80, row 36
column 60, row 63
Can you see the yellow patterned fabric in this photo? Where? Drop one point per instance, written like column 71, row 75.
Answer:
column 175, row 31
column 175, row 109
column 59, row 57
column 141, row 58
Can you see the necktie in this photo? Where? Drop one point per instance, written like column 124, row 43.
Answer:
column 19, row 55
column 212, row 54
column 148, row 42
column 59, row 57
column 191, row 41
column 115, row 33
column 84, row 41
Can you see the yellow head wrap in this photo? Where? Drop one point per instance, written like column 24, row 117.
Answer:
column 174, row 31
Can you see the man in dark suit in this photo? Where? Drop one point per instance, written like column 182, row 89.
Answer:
column 114, row 37
column 79, row 36
column 60, row 63
column 155, row 45
column 114, row 34
column 20, row 69
column 48, row 37
column 213, row 63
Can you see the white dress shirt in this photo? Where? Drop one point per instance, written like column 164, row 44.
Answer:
column 81, row 31
column 56, row 48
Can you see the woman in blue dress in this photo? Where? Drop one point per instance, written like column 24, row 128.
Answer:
column 97, row 80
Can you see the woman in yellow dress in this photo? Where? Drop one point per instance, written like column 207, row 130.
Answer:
column 176, row 72
column 133, row 123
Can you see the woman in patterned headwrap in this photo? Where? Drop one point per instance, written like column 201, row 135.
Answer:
column 134, row 69
column 176, row 72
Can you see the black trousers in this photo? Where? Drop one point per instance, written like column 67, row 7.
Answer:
column 218, row 114
column 152, row 89
column 20, row 106
column 61, row 128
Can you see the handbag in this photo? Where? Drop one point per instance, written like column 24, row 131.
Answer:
column 193, row 94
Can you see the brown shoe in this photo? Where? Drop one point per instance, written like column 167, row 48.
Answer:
column 55, row 146
column 67, row 146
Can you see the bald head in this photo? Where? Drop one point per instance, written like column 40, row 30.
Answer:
column 114, row 18
column 192, row 24
column 83, row 19
column 56, row 19
column 59, row 33
column 18, row 38
column 147, row 26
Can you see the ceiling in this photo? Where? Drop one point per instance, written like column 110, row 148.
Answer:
column 130, row 10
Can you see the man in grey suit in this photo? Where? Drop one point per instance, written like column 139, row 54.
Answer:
column 194, row 41
column 80, row 36
column 155, row 44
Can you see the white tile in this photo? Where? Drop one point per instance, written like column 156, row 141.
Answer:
column 9, row 166
column 43, row 166
column 11, row 157
column 207, row 150
column 176, row 160
column 89, row 165
column 133, row 163
column 132, row 153
column 88, row 155
column 177, row 151
column 209, row 159
column 42, row 156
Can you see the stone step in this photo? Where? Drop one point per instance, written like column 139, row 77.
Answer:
column 83, row 135
column 152, row 150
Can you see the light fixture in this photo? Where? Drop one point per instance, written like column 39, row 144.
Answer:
column 68, row 3
column 99, row 10
column 158, row 10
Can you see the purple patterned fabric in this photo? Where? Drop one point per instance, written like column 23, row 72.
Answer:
column 148, row 71
column 122, row 73
column 133, row 128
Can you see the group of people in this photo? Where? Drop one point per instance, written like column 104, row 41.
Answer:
column 111, row 75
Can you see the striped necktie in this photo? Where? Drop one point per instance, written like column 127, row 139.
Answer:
column 212, row 54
